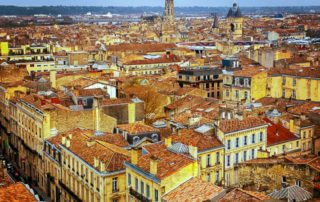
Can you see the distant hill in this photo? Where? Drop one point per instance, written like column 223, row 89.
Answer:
column 78, row 10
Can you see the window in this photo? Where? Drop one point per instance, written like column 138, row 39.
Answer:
column 252, row 154
column 148, row 191
column 218, row 158
column 294, row 94
column 236, row 158
column 294, row 81
column 246, row 82
column 283, row 93
column 129, row 179
column 237, row 142
column 297, row 144
column 237, row 94
column 298, row 183
column 284, row 81
column 261, row 136
column 136, row 139
column 228, row 160
column 284, row 179
column 115, row 184
column 208, row 177
column 237, row 83
column 244, row 155
column 245, row 139
column 142, row 187
column 246, row 95
column 229, row 144
column 217, row 177
column 137, row 185
column 154, row 137
column 283, row 148
column 253, row 139
column 227, row 93
column 208, row 160
column 156, row 195
column 304, row 134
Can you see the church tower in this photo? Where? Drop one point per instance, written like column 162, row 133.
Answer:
column 235, row 22
column 215, row 24
column 168, row 25
column 169, row 11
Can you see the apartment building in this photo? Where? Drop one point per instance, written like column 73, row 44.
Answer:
column 210, row 153
column 242, row 139
column 155, row 171
column 206, row 78
column 248, row 84
column 299, row 84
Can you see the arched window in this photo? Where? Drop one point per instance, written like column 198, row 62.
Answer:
column 154, row 137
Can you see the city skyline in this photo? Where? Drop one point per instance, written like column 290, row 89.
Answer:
column 179, row 3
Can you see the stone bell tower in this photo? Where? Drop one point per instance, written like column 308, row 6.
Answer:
column 235, row 22
column 169, row 11
column 168, row 24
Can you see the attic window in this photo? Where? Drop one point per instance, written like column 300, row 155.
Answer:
column 136, row 139
column 154, row 137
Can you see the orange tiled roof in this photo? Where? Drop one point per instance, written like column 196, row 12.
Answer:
column 16, row 193
column 154, row 47
column 194, row 190
column 249, row 72
column 303, row 108
column 163, row 59
column 168, row 162
column 112, row 155
column 137, row 128
column 241, row 195
column 233, row 125
column 191, row 137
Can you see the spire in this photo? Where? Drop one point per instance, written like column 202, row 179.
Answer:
column 234, row 12
column 215, row 21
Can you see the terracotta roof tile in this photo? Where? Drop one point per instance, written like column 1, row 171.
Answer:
column 241, row 195
column 233, row 125
column 168, row 162
column 194, row 190
column 191, row 137
column 16, row 193
column 137, row 128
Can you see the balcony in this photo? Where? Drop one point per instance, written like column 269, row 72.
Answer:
column 138, row 196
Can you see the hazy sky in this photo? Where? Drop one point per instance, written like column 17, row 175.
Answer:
column 160, row 2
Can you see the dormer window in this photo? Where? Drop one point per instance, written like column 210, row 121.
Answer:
column 154, row 137
column 136, row 139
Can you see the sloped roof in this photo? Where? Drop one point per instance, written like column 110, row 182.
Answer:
column 292, row 193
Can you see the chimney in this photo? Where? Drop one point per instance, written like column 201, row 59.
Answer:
column 291, row 125
column 63, row 140
column 193, row 151
column 53, row 78
column 134, row 156
column 154, row 165
column 67, row 142
column 102, row 166
column 168, row 141
column 96, row 162
column 90, row 142
column 96, row 118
